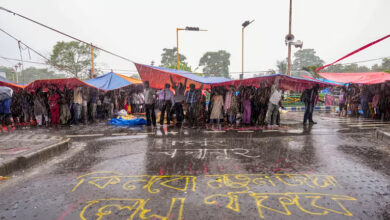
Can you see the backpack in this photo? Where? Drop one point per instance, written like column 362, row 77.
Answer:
column 305, row 96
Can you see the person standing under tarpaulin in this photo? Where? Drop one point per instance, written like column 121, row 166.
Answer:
column 231, row 105
column 217, row 110
column 40, row 110
column 149, row 100
column 192, row 98
column 77, row 104
column 54, row 107
column 273, row 104
column 166, row 100
column 179, row 98
column 310, row 98
column 5, row 106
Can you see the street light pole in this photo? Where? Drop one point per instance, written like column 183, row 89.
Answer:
column 92, row 63
column 244, row 25
column 289, row 45
column 177, row 48
column 242, row 55
column 177, row 41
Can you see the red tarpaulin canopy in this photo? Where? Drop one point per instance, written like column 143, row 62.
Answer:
column 286, row 82
column 158, row 76
column 68, row 83
column 359, row 78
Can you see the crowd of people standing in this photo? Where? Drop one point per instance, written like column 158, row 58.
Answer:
column 374, row 101
column 232, row 106
column 57, row 107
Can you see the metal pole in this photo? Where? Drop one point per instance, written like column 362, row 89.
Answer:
column 242, row 55
column 16, row 73
column 177, row 49
column 92, row 63
column 289, row 45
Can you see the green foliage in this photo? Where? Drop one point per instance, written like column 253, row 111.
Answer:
column 216, row 63
column 183, row 66
column 311, row 69
column 384, row 67
column 135, row 76
column 306, row 57
column 169, row 58
column 30, row 74
column 282, row 66
column 72, row 57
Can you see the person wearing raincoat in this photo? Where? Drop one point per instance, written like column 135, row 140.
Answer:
column 53, row 100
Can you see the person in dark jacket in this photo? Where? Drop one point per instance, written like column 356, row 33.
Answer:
column 310, row 98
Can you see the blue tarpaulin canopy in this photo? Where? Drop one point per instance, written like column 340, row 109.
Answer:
column 9, row 83
column 112, row 81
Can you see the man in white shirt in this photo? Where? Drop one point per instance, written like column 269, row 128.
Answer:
column 273, row 104
column 166, row 99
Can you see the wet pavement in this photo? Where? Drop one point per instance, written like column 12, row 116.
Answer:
column 336, row 169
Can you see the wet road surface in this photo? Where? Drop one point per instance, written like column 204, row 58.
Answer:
column 333, row 170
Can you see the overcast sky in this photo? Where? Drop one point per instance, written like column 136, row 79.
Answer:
column 139, row 30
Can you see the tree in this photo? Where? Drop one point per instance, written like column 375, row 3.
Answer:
column 305, row 58
column 282, row 66
column 348, row 68
column 216, row 63
column 384, row 67
column 183, row 66
column 72, row 57
column 135, row 76
column 169, row 58
column 30, row 74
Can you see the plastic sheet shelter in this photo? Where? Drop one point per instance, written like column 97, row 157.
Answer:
column 8, row 83
column 112, row 81
column 358, row 78
column 158, row 76
column 324, row 80
column 286, row 82
column 45, row 84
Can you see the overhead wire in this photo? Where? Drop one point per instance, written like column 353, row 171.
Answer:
column 60, row 32
column 41, row 55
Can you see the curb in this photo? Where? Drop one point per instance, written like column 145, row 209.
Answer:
column 317, row 108
column 383, row 135
column 28, row 160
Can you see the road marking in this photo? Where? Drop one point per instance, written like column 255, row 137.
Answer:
column 245, row 131
column 85, row 135
column 145, row 133
column 369, row 125
column 119, row 134
column 214, row 131
column 270, row 130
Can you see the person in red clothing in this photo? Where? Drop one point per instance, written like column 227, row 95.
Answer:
column 54, row 107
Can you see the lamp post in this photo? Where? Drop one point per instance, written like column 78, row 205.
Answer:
column 290, row 41
column 92, row 63
column 177, row 41
column 16, row 73
column 244, row 25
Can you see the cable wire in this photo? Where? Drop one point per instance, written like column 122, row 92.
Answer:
column 60, row 32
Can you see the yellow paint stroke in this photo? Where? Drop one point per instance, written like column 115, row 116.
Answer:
column 137, row 207
column 239, row 182
column 285, row 200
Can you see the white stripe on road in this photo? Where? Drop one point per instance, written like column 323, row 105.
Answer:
column 119, row 134
column 214, row 131
column 245, row 131
column 85, row 135
column 270, row 130
column 369, row 125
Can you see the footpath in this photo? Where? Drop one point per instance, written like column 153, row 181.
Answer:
column 22, row 149
column 383, row 134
